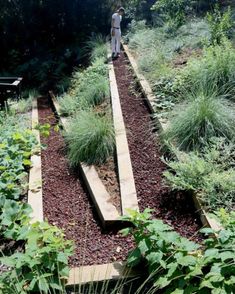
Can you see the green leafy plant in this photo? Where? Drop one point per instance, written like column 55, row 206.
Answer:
column 197, row 121
column 42, row 267
column 177, row 265
column 16, row 149
column 90, row 138
column 14, row 219
column 220, row 24
column 44, row 129
column 40, row 263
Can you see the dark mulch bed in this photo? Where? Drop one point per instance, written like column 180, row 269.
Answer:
column 66, row 203
column 175, row 209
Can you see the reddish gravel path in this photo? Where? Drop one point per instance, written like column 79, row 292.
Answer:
column 176, row 210
column 66, row 204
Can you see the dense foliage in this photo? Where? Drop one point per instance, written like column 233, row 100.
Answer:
column 177, row 265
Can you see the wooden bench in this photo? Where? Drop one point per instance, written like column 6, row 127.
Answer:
column 10, row 87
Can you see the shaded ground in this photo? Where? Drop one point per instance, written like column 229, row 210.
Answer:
column 67, row 205
column 174, row 208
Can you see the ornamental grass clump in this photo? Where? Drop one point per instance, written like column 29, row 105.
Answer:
column 94, row 94
column 216, row 68
column 97, row 48
column 68, row 105
column 197, row 121
column 90, row 139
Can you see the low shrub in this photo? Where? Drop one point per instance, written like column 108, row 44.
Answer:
column 90, row 139
column 207, row 174
column 100, row 51
column 195, row 122
column 143, row 39
column 177, row 265
column 84, row 79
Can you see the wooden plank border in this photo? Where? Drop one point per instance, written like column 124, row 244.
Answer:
column 149, row 95
column 126, row 178
column 35, row 174
column 100, row 273
column 107, row 212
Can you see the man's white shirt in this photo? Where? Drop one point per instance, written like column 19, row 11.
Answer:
column 117, row 20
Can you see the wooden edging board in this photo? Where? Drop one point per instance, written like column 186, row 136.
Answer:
column 100, row 273
column 35, row 173
column 107, row 212
column 147, row 91
column 125, row 173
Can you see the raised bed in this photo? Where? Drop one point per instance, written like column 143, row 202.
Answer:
column 91, row 273
column 107, row 212
column 149, row 96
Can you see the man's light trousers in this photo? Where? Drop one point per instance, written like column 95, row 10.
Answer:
column 116, row 41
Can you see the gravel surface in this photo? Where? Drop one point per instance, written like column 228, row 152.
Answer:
column 175, row 209
column 67, row 204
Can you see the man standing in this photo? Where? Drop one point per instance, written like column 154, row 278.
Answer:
column 116, row 32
